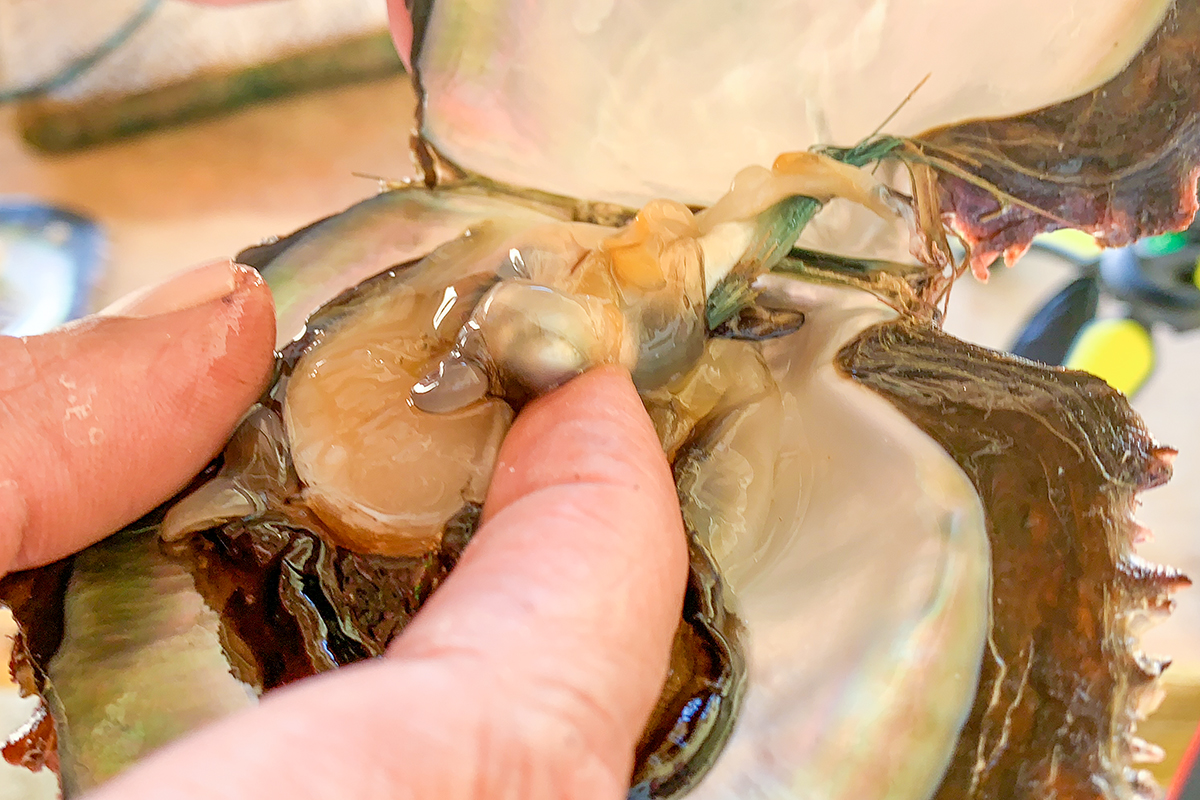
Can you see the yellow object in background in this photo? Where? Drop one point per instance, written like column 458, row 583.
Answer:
column 1118, row 350
column 1073, row 244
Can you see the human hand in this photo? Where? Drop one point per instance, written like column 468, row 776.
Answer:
column 109, row 416
column 530, row 673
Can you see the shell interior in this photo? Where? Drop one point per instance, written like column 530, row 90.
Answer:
column 912, row 572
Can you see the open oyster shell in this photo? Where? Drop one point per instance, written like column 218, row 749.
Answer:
column 660, row 100
column 846, row 629
column 1081, row 115
column 912, row 570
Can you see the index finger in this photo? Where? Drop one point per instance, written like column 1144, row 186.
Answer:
column 108, row 417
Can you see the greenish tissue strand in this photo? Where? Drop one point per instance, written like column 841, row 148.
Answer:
column 779, row 228
column 868, row 151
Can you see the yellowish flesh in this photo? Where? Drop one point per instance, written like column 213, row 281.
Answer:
column 383, row 476
column 755, row 189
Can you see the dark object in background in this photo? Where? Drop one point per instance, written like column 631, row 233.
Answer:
column 60, row 126
column 50, row 259
column 1157, row 280
column 1048, row 334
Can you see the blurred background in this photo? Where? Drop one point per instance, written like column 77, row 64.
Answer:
column 141, row 138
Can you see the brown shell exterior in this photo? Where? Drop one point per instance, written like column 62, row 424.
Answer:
column 1058, row 458
column 1119, row 161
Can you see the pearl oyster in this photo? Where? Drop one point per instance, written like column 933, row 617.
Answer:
column 912, row 567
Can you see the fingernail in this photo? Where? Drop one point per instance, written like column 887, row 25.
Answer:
column 187, row 289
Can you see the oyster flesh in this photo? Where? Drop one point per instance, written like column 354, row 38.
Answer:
column 912, row 570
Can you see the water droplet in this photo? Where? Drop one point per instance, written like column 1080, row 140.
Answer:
column 451, row 384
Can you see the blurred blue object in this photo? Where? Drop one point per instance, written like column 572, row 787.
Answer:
column 50, row 259
column 1156, row 282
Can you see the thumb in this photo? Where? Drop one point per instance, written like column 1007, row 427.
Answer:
column 107, row 417
column 532, row 670
column 567, row 599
